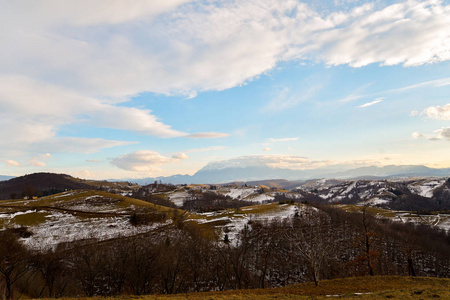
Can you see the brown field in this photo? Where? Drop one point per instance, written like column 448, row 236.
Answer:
column 378, row 287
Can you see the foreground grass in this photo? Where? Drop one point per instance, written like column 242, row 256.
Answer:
column 378, row 287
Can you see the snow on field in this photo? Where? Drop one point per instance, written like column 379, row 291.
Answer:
column 260, row 198
column 374, row 201
column 240, row 193
column 237, row 222
column 101, row 206
column 283, row 211
column 179, row 197
column 425, row 188
column 350, row 188
column 13, row 215
column 441, row 221
column 65, row 194
column 327, row 196
column 60, row 228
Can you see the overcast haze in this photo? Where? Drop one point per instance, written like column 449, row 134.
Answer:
column 119, row 89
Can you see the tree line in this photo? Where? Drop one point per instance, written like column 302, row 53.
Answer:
column 318, row 243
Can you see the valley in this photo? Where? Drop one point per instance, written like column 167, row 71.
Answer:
column 206, row 237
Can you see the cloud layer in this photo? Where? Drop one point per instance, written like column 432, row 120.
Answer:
column 144, row 161
column 442, row 134
column 437, row 112
column 120, row 49
column 81, row 62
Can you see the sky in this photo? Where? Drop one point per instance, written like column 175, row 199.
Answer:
column 106, row 89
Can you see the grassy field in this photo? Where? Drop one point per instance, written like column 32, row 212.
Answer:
column 71, row 201
column 378, row 287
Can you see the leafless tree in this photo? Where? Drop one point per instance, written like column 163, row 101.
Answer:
column 309, row 237
column 14, row 263
column 367, row 240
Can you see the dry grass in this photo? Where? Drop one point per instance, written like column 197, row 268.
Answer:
column 30, row 219
column 378, row 287
column 67, row 203
column 373, row 210
column 58, row 200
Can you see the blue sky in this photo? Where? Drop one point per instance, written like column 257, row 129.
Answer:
column 120, row 89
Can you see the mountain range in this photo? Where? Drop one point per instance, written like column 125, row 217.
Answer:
column 226, row 172
column 5, row 177
column 214, row 173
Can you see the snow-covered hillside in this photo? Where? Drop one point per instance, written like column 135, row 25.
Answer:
column 76, row 215
column 378, row 192
column 87, row 214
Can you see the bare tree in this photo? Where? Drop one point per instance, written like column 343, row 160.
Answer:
column 14, row 263
column 143, row 263
column 309, row 238
column 367, row 239
column 51, row 266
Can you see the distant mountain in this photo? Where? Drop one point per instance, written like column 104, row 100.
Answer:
column 5, row 177
column 221, row 172
column 174, row 179
column 38, row 184
column 273, row 183
column 373, row 172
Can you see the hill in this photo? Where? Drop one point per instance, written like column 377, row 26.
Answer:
column 42, row 184
column 104, row 235
column 80, row 214
column 39, row 183
column 419, row 194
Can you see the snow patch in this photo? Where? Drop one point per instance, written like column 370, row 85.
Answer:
column 426, row 188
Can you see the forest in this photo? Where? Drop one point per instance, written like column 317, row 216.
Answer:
column 323, row 242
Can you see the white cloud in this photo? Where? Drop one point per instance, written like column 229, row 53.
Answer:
column 117, row 49
column 267, row 149
column 141, row 161
column 45, row 107
column 430, row 83
column 437, row 112
column 409, row 33
column 180, row 156
column 444, row 133
column 36, row 110
column 132, row 119
column 378, row 100
column 414, row 113
column 433, row 83
column 76, row 145
column 39, row 160
column 82, row 174
column 274, row 161
column 145, row 160
column 11, row 163
column 207, row 135
column 78, row 61
column 417, row 135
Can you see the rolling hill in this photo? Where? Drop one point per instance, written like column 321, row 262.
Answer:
column 41, row 184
